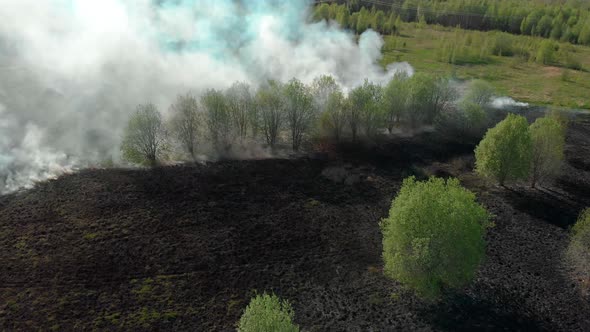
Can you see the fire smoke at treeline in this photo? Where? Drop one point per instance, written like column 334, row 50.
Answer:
column 73, row 71
column 241, row 122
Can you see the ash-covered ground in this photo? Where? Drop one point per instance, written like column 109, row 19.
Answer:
column 184, row 248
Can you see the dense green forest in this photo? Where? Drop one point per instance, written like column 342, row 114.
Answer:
column 567, row 21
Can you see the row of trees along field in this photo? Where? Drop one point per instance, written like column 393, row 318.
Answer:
column 569, row 21
column 293, row 111
column 476, row 47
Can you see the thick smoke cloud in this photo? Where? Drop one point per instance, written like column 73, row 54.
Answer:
column 71, row 71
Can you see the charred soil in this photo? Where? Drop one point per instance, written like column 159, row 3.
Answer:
column 186, row 247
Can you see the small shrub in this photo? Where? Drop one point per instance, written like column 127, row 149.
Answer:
column 434, row 236
column 505, row 151
column 267, row 313
column 565, row 76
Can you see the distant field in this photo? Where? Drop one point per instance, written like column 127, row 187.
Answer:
column 521, row 79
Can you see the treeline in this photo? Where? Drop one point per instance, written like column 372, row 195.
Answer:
column 294, row 112
column 476, row 47
column 569, row 22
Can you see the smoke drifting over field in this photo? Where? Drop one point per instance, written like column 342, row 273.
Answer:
column 503, row 102
column 71, row 71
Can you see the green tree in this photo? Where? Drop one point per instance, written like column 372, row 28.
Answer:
column 185, row 123
column 271, row 101
column 584, row 36
column 421, row 87
column 502, row 44
column 366, row 100
column 343, row 16
column 389, row 26
column 433, row 238
column 378, row 21
column 334, row 117
column 219, row 120
column 430, row 95
column 546, row 52
column 363, row 21
column 267, row 313
column 396, row 96
column 422, row 22
column 578, row 251
column 322, row 12
column 300, row 110
column 530, row 22
column 333, row 11
column 398, row 24
column 543, row 27
column 144, row 139
column 409, row 11
column 479, row 92
column 505, row 151
column 476, row 120
column 352, row 22
column 548, row 139
column 321, row 88
column 240, row 106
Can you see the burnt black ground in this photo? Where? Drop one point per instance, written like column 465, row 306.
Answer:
column 185, row 247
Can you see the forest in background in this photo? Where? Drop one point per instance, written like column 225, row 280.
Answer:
column 567, row 21
column 541, row 64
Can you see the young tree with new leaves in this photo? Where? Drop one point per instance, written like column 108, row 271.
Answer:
column 366, row 102
column 333, row 118
column 272, row 105
column 321, row 88
column 186, row 121
column 505, row 152
column 218, row 118
column 479, row 93
column 433, row 238
column 578, row 251
column 396, row 96
column 429, row 97
column 241, row 105
column 300, row 110
column 548, row 143
column 145, row 136
column 343, row 16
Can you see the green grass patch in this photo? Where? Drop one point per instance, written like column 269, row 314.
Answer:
column 521, row 75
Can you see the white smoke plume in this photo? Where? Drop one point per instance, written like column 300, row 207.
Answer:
column 504, row 102
column 71, row 71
